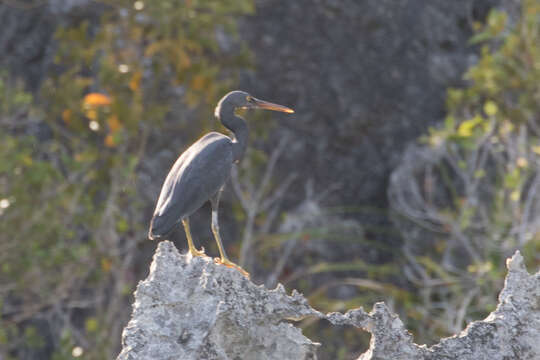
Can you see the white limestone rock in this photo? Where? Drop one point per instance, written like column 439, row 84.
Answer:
column 190, row 308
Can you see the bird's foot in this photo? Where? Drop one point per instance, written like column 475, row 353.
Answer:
column 228, row 263
column 195, row 252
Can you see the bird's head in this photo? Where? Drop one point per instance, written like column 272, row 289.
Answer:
column 242, row 100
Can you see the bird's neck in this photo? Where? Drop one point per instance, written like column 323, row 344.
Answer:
column 238, row 127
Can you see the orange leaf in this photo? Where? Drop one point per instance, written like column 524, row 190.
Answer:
column 96, row 99
column 198, row 82
column 152, row 49
column 91, row 114
column 184, row 59
column 114, row 123
column 109, row 141
column 135, row 81
column 66, row 116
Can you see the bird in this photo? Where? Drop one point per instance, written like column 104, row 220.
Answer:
column 201, row 171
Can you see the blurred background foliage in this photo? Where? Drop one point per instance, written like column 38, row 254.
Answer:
column 467, row 197
column 71, row 214
column 76, row 158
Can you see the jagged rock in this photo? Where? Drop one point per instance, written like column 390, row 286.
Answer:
column 191, row 308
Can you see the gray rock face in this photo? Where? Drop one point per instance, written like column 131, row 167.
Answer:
column 191, row 308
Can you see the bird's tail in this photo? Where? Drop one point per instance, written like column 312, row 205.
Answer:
column 152, row 236
column 159, row 227
column 151, row 232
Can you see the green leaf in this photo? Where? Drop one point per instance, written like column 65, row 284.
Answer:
column 480, row 37
column 466, row 128
column 91, row 324
column 490, row 108
column 512, row 179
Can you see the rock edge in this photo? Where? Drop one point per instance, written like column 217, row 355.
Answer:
column 191, row 308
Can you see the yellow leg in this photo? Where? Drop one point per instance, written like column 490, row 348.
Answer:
column 223, row 260
column 192, row 249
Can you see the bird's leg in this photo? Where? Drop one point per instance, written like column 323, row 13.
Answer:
column 224, row 260
column 192, row 249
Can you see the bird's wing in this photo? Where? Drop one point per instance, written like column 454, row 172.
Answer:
column 197, row 175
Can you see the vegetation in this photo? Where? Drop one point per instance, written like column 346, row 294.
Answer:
column 71, row 212
column 468, row 198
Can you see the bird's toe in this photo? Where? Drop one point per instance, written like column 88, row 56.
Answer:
column 195, row 252
column 232, row 265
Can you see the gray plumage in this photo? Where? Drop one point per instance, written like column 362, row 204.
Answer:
column 200, row 173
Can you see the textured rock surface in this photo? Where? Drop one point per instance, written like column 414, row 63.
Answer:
column 190, row 308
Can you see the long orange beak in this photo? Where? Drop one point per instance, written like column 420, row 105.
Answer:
column 261, row 104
